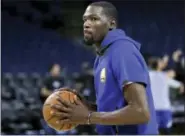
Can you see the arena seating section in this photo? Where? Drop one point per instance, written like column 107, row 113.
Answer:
column 28, row 49
column 33, row 48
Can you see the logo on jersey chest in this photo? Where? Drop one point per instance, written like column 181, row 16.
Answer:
column 103, row 75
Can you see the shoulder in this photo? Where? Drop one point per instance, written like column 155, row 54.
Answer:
column 126, row 50
column 152, row 73
column 124, row 47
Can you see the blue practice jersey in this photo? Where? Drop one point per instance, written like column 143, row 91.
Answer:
column 121, row 62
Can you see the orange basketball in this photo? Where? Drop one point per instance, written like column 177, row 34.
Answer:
column 52, row 99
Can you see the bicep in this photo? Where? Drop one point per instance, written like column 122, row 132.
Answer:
column 135, row 95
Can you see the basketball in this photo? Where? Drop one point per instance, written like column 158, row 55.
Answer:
column 52, row 100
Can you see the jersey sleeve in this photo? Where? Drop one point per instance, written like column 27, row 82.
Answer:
column 128, row 65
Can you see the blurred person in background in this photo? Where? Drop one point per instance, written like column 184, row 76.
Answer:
column 88, row 79
column 53, row 81
column 160, row 85
column 178, row 59
column 84, row 81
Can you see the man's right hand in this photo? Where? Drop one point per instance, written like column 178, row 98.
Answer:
column 80, row 96
column 90, row 105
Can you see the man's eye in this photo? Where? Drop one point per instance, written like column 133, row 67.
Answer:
column 93, row 19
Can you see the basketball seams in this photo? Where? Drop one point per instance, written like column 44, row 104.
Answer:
column 61, row 127
column 51, row 117
column 69, row 97
column 69, row 126
column 47, row 104
column 72, row 98
column 61, row 92
column 59, row 96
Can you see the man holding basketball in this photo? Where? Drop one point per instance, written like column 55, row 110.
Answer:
column 123, row 93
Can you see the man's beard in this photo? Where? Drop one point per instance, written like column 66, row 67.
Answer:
column 88, row 42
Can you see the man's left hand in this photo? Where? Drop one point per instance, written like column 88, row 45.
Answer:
column 70, row 113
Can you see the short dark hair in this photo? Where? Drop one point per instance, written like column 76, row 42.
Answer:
column 109, row 9
column 153, row 62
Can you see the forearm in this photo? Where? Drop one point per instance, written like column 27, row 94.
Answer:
column 126, row 116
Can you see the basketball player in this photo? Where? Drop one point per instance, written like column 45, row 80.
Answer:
column 123, row 93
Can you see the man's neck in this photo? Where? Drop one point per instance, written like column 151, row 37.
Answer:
column 97, row 46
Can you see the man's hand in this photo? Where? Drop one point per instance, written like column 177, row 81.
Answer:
column 70, row 113
column 79, row 95
column 176, row 55
column 89, row 105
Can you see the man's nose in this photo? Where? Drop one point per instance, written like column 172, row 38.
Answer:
column 87, row 24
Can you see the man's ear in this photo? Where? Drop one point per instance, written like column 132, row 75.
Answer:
column 112, row 24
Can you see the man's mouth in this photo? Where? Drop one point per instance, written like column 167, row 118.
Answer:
column 87, row 32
